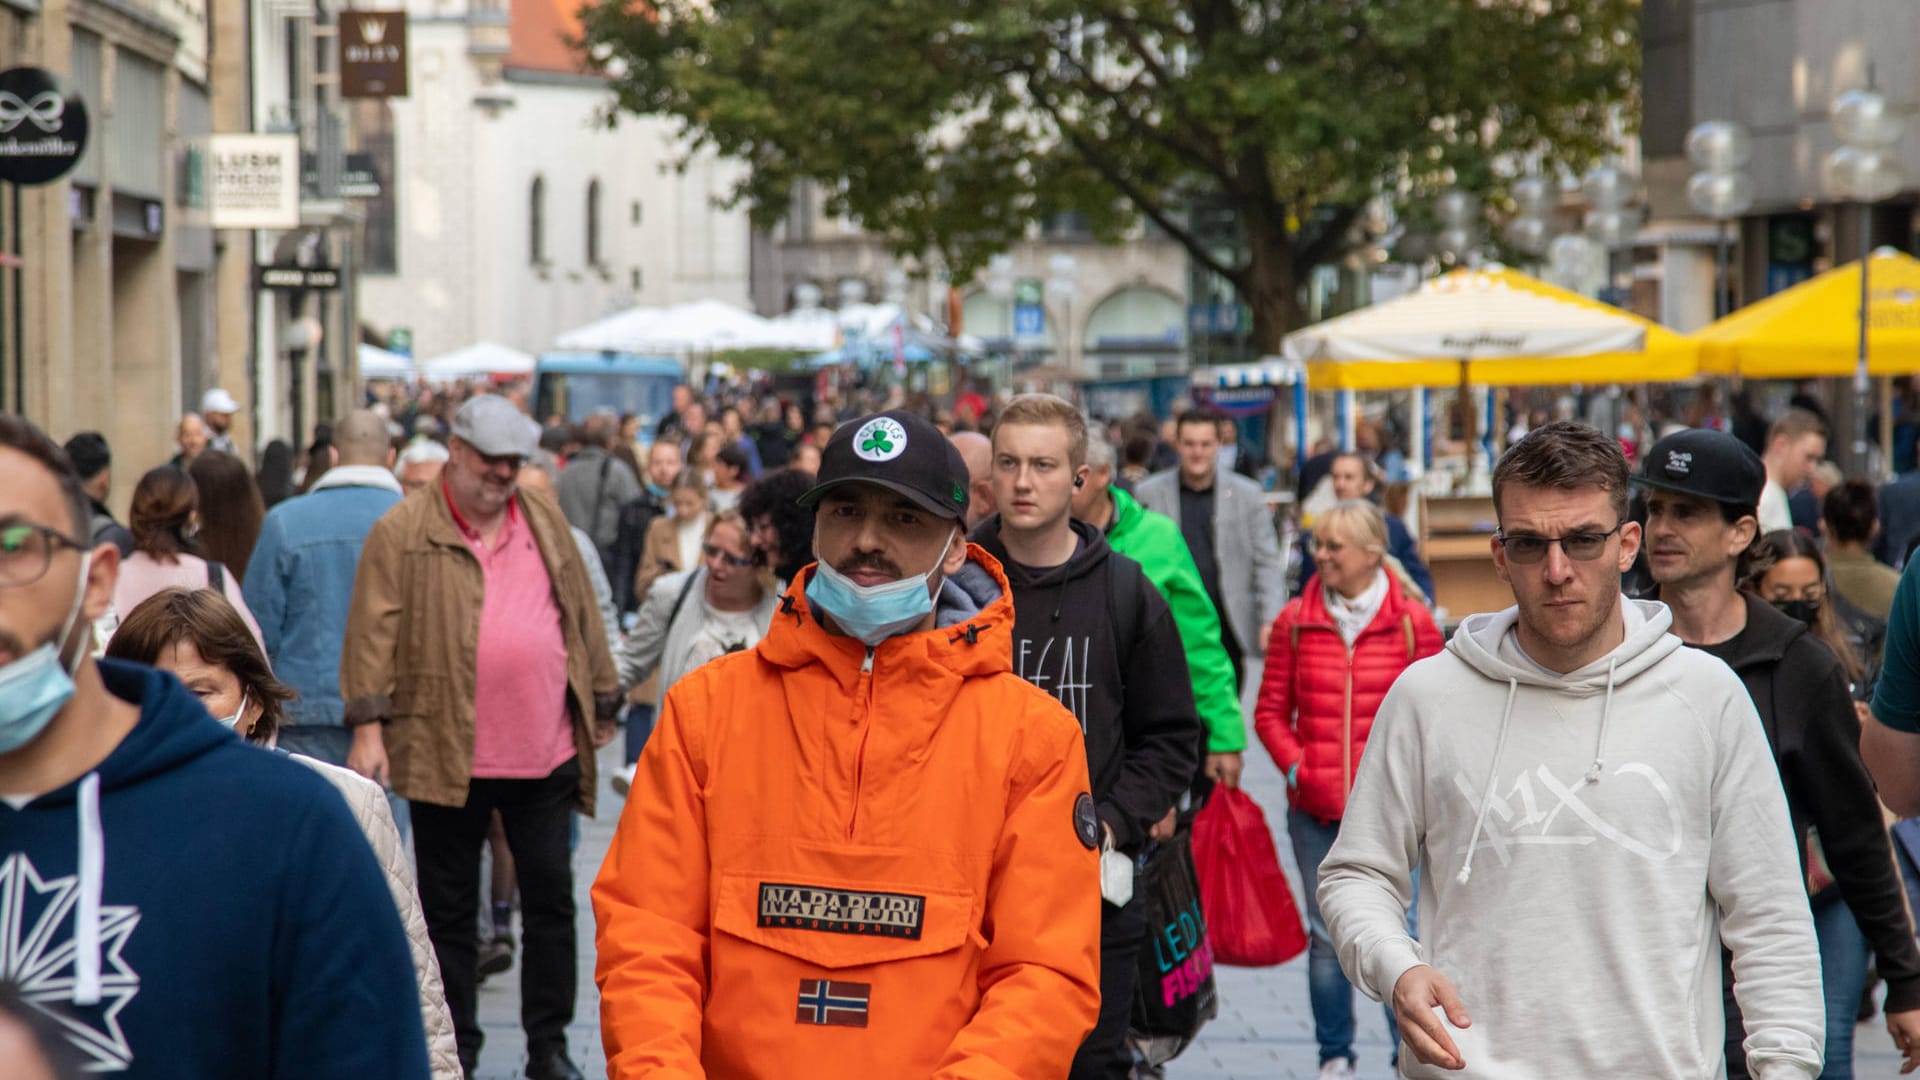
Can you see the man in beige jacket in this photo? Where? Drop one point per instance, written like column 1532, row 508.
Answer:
column 477, row 679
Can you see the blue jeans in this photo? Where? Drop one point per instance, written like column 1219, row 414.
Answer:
column 1328, row 990
column 1843, row 973
column 639, row 729
column 325, row 742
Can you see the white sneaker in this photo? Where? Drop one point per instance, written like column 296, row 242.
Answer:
column 623, row 780
column 1337, row 1069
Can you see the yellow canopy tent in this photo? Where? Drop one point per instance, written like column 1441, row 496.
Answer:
column 1493, row 326
column 1813, row 329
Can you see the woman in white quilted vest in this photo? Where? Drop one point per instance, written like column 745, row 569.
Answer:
column 199, row 637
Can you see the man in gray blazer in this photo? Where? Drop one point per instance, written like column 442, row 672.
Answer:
column 1228, row 529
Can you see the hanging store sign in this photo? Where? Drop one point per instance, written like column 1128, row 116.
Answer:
column 373, row 54
column 253, row 181
column 300, row 277
column 43, row 126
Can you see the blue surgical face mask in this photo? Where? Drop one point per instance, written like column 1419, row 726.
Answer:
column 35, row 687
column 874, row 613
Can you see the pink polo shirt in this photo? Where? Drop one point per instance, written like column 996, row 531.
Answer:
column 521, row 727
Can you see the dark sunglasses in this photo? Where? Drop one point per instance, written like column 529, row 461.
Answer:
column 1579, row 546
column 714, row 552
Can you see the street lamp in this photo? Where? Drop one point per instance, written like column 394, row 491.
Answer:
column 1864, row 169
column 1721, row 190
column 1611, row 222
column 1531, row 229
column 1459, row 214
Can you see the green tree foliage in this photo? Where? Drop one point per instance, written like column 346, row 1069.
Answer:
column 951, row 125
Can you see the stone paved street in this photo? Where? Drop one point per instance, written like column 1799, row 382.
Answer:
column 1264, row 1031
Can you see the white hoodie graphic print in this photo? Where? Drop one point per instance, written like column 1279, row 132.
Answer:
column 1579, row 834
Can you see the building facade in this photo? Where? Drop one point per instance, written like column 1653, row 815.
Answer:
column 518, row 213
column 126, row 299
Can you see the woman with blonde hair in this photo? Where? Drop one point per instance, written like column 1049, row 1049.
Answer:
column 722, row 605
column 1333, row 653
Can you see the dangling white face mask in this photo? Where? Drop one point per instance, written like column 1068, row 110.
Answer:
column 232, row 723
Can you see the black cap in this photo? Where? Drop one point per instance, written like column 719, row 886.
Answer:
column 901, row 451
column 1711, row 465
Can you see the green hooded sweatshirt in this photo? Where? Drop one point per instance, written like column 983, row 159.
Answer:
column 1154, row 541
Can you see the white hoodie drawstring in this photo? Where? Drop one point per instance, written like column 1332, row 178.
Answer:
column 93, row 869
column 1493, row 781
column 1606, row 713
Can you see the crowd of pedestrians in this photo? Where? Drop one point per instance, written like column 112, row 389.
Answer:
column 906, row 699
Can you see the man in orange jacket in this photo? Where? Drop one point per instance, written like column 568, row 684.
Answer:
column 865, row 847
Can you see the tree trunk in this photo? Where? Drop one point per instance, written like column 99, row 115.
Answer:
column 1271, row 286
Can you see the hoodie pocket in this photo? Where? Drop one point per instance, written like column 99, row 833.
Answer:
column 842, row 923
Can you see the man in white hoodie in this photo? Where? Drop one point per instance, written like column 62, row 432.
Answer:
column 1616, row 790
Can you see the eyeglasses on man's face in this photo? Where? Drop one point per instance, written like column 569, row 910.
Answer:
column 1579, row 546
column 26, row 550
column 715, row 551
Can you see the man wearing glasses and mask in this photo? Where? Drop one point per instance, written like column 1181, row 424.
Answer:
column 1703, row 491
column 1595, row 811
column 181, row 904
column 864, row 847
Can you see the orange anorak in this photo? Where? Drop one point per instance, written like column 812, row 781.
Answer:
column 841, row 862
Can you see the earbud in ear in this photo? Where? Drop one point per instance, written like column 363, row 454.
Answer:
column 1079, row 481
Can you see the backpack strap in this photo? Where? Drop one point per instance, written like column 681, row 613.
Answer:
column 216, row 577
column 680, row 601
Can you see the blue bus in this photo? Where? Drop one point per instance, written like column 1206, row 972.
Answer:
column 578, row 384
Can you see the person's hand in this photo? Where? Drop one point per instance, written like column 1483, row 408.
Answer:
column 603, row 732
column 1266, row 635
column 368, row 757
column 1163, row 829
column 1905, row 1029
column 1224, row 769
column 1414, row 997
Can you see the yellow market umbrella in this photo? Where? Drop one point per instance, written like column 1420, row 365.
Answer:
column 1813, row 329
column 1492, row 326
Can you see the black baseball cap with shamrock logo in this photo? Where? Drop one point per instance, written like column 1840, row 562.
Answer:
column 901, row 451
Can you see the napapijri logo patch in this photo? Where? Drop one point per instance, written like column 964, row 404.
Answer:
column 1679, row 464
column 841, row 911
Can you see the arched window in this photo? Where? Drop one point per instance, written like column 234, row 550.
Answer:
column 537, row 222
column 593, row 223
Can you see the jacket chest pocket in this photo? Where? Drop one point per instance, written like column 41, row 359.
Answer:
column 834, row 923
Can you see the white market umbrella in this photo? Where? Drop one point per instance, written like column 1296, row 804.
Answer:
column 481, row 358
column 1423, row 338
column 378, row 363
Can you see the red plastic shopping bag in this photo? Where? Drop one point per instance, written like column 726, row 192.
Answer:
column 1251, row 917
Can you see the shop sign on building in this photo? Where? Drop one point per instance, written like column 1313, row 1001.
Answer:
column 43, row 126
column 373, row 54
column 253, row 181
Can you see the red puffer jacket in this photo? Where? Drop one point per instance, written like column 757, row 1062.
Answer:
column 1318, row 697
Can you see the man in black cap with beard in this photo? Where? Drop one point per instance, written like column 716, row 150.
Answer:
column 1703, row 493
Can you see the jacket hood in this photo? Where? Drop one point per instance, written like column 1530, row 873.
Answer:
column 173, row 731
column 1477, row 642
column 166, row 737
column 972, row 633
column 1092, row 551
column 1089, row 557
column 1127, row 510
column 1394, row 606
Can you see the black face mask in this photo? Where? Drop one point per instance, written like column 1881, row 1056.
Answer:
column 1804, row 610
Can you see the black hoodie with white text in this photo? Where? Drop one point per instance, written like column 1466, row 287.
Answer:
column 1097, row 635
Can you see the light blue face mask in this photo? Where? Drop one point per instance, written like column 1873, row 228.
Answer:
column 35, row 687
column 874, row 613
